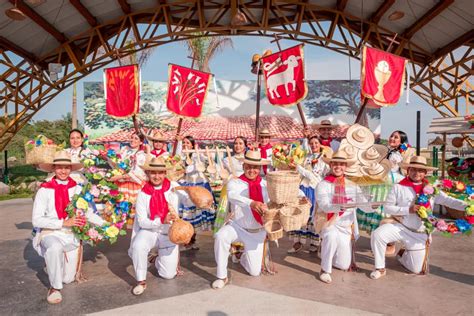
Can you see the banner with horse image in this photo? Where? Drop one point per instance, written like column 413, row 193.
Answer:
column 284, row 77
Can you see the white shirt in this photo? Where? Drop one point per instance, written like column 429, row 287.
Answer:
column 137, row 159
column 312, row 175
column 237, row 164
column 400, row 198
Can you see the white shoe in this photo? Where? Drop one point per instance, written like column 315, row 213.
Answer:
column 293, row 250
column 219, row 283
column 313, row 248
column 139, row 289
column 325, row 277
column 377, row 274
column 54, row 297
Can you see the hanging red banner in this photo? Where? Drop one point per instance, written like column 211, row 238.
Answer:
column 122, row 91
column 284, row 77
column 187, row 90
column 382, row 78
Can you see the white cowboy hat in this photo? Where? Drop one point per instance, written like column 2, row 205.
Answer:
column 418, row 162
column 62, row 158
column 338, row 156
column 374, row 153
column 325, row 123
column 155, row 164
column 360, row 136
column 264, row 132
column 350, row 150
column 157, row 136
column 253, row 157
column 377, row 170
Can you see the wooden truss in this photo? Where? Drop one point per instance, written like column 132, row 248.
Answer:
column 442, row 78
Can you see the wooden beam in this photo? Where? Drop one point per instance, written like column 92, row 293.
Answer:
column 461, row 40
column 426, row 18
column 125, row 6
column 384, row 7
column 20, row 51
column 341, row 5
column 84, row 12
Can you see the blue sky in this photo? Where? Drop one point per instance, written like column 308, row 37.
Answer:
column 234, row 64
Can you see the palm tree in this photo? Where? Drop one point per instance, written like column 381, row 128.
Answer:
column 203, row 49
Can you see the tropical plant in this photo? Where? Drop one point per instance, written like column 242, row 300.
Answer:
column 205, row 48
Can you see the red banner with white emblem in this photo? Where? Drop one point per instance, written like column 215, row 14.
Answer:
column 122, row 91
column 382, row 78
column 187, row 90
column 284, row 76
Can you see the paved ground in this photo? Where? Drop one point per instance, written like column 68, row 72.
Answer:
column 448, row 290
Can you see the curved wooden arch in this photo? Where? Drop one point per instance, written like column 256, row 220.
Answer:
column 441, row 79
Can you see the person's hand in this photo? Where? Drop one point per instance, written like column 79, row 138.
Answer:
column 74, row 221
column 260, row 207
column 179, row 138
column 172, row 216
column 414, row 208
column 116, row 178
column 147, row 149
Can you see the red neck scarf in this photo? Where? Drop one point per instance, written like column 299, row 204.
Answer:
column 418, row 188
column 263, row 153
column 325, row 141
column 157, row 153
column 255, row 193
column 158, row 204
column 61, row 195
column 339, row 196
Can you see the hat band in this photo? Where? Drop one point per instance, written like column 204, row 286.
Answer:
column 61, row 160
column 418, row 163
column 253, row 159
column 157, row 165
column 339, row 158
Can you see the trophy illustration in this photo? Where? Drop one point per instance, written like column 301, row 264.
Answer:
column 382, row 75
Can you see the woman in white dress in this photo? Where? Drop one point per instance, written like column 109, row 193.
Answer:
column 235, row 162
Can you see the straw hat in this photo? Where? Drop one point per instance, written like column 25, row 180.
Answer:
column 354, row 171
column 351, row 151
column 155, row 164
column 325, row 123
column 338, row 156
column 62, row 158
column 373, row 154
column 264, row 132
column 157, row 136
column 360, row 136
column 253, row 157
column 377, row 170
column 418, row 162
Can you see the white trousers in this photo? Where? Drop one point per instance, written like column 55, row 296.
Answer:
column 168, row 254
column 414, row 243
column 60, row 255
column 252, row 257
column 336, row 248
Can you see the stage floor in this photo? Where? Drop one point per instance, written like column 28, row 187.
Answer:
column 295, row 289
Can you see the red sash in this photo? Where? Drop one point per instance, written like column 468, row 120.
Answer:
column 263, row 153
column 156, row 153
column 158, row 204
column 325, row 142
column 255, row 193
column 339, row 196
column 61, row 195
column 418, row 188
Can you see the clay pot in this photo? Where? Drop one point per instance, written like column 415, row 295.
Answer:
column 200, row 196
column 180, row 232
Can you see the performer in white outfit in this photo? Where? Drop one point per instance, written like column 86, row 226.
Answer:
column 54, row 239
column 265, row 148
column 408, row 229
column 155, row 209
column 159, row 145
column 325, row 130
column 78, row 152
column 331, row 195
column 248, row 198
column 234, row 163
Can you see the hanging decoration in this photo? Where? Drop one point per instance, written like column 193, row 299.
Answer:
column 122, row 91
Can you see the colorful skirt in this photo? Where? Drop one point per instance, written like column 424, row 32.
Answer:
column 201, row 219
column 306, row 233
column 130, row 191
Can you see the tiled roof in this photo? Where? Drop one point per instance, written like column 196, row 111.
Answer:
column 213, row 128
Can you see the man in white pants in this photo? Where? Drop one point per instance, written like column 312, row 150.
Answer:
column 408, row 227
column 248, row 198
column 54, row 239
column 155, row 209
column 331, row 195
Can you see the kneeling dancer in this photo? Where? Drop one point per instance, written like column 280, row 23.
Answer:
column 155, row 209
column 247, row 197
column 408, row 227
column 55, row 240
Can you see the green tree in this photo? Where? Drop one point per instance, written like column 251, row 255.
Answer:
column 205, row 48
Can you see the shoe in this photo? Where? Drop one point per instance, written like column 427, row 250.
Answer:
column 54, row 296
column 219, row 283
column 295, row 250
column 325, row 277
column 235, row 259
column 139, row 289
column 377, row 274
column 195, row 246
column 313, row 248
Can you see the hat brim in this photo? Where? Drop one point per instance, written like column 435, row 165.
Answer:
column 381, row 149
column 328, row 160
column 325, row 125
column 147, row 167
column 405, row 166
column 49, row 167
column 366, row 143
column 263, row 162
column 344, row 144
column 156, row 139
column 386, row 168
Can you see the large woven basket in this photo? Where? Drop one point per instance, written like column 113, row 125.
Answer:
column 175, row 175
column 180, row 232
column 305, row 206
column 274, row 230
column 291, row 218
column 41, row 154
column 273, row 212
column 283, row 186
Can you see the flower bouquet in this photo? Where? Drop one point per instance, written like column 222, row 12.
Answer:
column 459, row 190
column 175, row 168
column 40, row 150
column 288, row 155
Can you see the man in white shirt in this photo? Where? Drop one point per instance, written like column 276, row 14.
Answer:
column 248, row 198
column 407, row 227
column 155, row 209
column 325, row 130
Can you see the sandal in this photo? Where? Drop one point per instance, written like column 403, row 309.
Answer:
column 295, row 250
column 325, row 277
column 139, row 289
column 377, row 274
column 54, row 296
column 220, row 283
column 313, row 248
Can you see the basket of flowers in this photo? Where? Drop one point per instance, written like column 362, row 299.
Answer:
column 285, row 156
column 40, row 150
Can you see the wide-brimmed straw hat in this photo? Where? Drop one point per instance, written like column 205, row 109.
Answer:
column 62, row 158
column 326, row 123
column 157, row 136
column 155, row 164
column 338, row 156
column 418, row 162
column 264, row 132
column 360, row 136
column 253, row 157
column 350, row 150
column 373, row 154
column 354, row 171
column 377, row 170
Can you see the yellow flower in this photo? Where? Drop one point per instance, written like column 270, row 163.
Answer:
column 116, row 172
column 82, row 204
column 470, row 210
column 112, row 231
column 422, row 212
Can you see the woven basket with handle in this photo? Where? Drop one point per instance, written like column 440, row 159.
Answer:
column 291, row 218
column 283, row 186
column 41, row 154
column 274, row 230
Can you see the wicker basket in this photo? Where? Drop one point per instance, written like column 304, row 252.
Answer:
column 291, row 218
column 180, row 232
column 174, row 175
column 274, row 230
column 455, row 214
column 41, row 154
column 305, row 206
column 273, row 212
column 283, row 186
